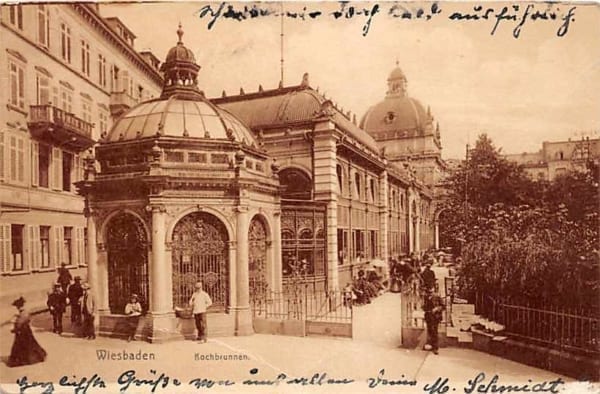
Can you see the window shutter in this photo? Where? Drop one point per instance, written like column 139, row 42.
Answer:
column 57, row 243
column 5, row 247
column 35, row 175
column 27, row 249
column 56, row 168
column 37, row 248
column 79, row 246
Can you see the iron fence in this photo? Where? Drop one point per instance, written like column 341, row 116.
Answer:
column 554, row 327
column 325, row 306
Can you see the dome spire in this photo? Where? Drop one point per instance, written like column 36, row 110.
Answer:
column 180, row 34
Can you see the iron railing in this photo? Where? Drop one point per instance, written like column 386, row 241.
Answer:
column 54, row 115
column 554, row 327
column 303, row 304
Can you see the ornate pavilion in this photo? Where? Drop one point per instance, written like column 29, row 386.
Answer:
column 240, row 192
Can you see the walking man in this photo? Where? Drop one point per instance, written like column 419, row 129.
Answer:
column 74, row 295
column 199, row 302
column 89, row 312
column 57, row 303
column 433, row 307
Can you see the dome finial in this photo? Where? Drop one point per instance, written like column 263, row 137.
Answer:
column 180, row 34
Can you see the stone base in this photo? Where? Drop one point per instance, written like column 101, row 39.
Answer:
column 243, row 321
column 155, row 328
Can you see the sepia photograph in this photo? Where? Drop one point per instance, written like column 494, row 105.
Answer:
column 299, row 197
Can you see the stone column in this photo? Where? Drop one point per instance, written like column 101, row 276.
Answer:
column 92, row 269
column 325, row 184
column 161, row 301
column 243, row 317
column 383, row 216
column 162, row 317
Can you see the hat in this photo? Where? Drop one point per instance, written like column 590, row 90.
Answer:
column 134, row 296
column 57, row 285
column 63, row 264
column 77, row 278
column 85, row 286
column 19, row 302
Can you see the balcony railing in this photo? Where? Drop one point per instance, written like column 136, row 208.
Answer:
column 58, row 127
column 53, row 115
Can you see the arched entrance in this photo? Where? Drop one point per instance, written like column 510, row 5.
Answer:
column 257, row 259
column 200, row 252
column 127, row 250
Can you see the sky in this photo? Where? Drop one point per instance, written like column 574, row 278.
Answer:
column 520, row 91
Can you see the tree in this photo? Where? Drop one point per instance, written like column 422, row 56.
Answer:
column 531, row 240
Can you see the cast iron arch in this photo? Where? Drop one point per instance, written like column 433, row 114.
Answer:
column 200, row 252
column 127, row 252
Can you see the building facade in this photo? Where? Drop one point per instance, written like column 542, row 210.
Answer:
column 67, row 74
column 558, row 157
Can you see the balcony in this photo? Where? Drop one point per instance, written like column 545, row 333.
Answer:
column 57, row 127
column 121, row 102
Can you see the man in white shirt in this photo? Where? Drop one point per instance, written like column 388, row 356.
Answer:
column 199, row 302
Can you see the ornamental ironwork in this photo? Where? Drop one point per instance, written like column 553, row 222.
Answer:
column 200, row 253
column 127, row 249
column 257, row 259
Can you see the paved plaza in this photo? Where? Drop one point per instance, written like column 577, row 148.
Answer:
column 279, row 362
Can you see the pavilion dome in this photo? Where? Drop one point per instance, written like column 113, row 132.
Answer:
column 180, row 117
column 182, row 110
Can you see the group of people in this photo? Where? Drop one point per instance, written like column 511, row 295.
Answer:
column 69, row 291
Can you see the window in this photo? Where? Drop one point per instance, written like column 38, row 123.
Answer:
column 67, row 246
column 43, row 165
column 338, row 170
column 85, row 57
column 86, row 106
column 140, row 93
column 16, row 243
column 17, row 159
column 358, row 185
column 2, row 146
column 43, row 89
column 103, row 120
column 17, row 84
column 67, row 167
column 102, row 70
column 43, row 25
column 114, row 78
column 373, row 239
column 372, row 189
column 16, row 16
column 359, row 245
column 85, row 246
column 342, row 236
column 66, row 100
column 65, row 42
column 45, row 246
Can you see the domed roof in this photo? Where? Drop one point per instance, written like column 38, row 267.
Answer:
column 180, row 117
column 395, row 113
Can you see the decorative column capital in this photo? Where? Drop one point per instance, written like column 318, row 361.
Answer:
column 156, row 208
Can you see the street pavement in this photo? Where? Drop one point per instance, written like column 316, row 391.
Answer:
column 278, row 362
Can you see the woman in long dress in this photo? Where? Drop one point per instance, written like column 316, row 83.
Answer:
column 25, row 349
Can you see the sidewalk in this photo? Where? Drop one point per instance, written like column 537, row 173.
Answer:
column 270, row 356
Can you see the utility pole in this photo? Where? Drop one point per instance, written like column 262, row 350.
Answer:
column 466, row 181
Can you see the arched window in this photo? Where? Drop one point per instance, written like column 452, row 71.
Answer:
column 296, row 184
column 340, row 176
